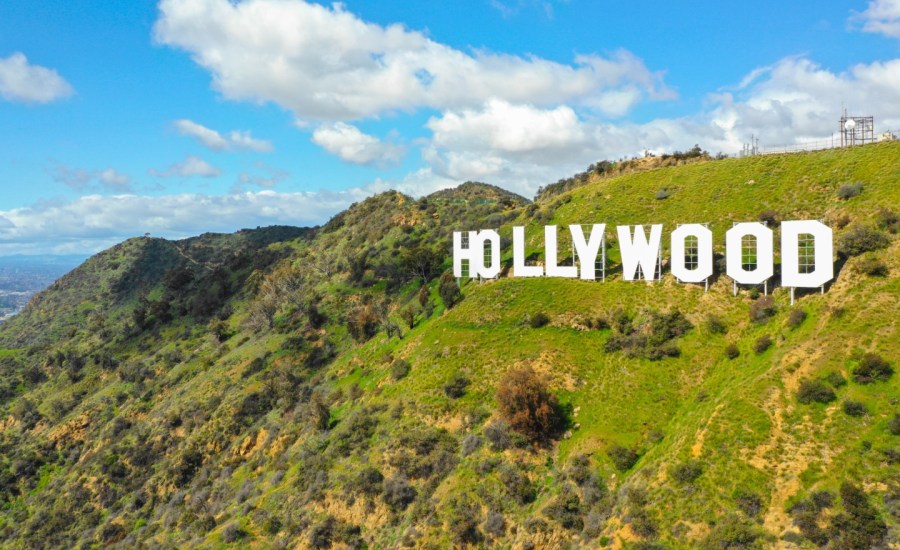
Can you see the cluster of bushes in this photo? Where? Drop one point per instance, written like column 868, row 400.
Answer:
column 650, row 335
column 870, row 368
column 858, row 526
column 567, row 184
column 860, row 239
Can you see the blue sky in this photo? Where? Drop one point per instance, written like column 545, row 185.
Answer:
column 183, row 116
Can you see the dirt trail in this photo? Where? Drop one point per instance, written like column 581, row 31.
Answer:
column 697, row 447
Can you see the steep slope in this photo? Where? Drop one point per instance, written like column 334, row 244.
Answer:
column 329, row 399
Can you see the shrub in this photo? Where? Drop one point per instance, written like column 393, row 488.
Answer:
column 796, row 317
column 528, row 406
column 872, row 368
column 894, row 424
column 623, row 458
column 497, row 434
column 579, row 468
column 732, row 532
column 362, row 322
column 456, row 387
column 495, row 524
column 835, row 379
column 814, row 391
column 519, row 487
column 732, row 351
column 822, row 500
column 762, row 343
column 642, row 524
column 873, row 267
column 849, row 190
column 398, row 493
column 860, row 526
column 232, row 532
column 399, row 369
column 715, row 325
column 369, row 481
column 322, row 533
column 538, row 320
column 448, row 290
column 565, row 509
column 470, row 444
column 860, row 239
column 888, row 220
column 762, row 309
column 855, row 408
column 462, row 521
column 749, row 503
column 686, row 472
column 769, row 217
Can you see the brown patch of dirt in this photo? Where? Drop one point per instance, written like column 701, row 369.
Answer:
column 558, row 373
column 453, row 423
column 358, row 513
column 251, row 443
column 570, row 320
column 74, row 429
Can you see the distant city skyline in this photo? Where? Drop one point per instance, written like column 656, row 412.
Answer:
column 184, row 116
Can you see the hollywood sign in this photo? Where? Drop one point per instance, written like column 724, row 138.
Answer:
column 806, row 253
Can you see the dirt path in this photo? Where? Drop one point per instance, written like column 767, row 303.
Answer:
column 697, row 447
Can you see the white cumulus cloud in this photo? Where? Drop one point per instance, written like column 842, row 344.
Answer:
column 882, row 17
column 325, row 63
column 213, row 140
column 352, row 145
column 190, row 166
column 23, row 82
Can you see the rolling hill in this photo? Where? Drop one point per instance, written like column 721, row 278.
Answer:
column 328, row 387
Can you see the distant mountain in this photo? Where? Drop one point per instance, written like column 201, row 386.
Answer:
column 336, row 387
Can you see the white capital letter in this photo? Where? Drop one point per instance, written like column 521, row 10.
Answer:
column 763, row 256
column 704, row 267
column 639, row 252
column 587, row 251
column 475, row 254
column 822, row 245
column 553, row 269
column 519, row 267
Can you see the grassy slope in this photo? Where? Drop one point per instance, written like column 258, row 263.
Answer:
column 738, row 417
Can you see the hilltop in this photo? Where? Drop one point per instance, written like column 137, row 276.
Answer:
column 329, row 387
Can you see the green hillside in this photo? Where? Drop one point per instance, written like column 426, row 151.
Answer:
column 303, row 388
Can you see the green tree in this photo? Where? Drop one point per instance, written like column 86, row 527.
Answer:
column 449, row 291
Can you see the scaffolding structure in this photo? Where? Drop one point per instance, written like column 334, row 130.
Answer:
column 857, row 130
